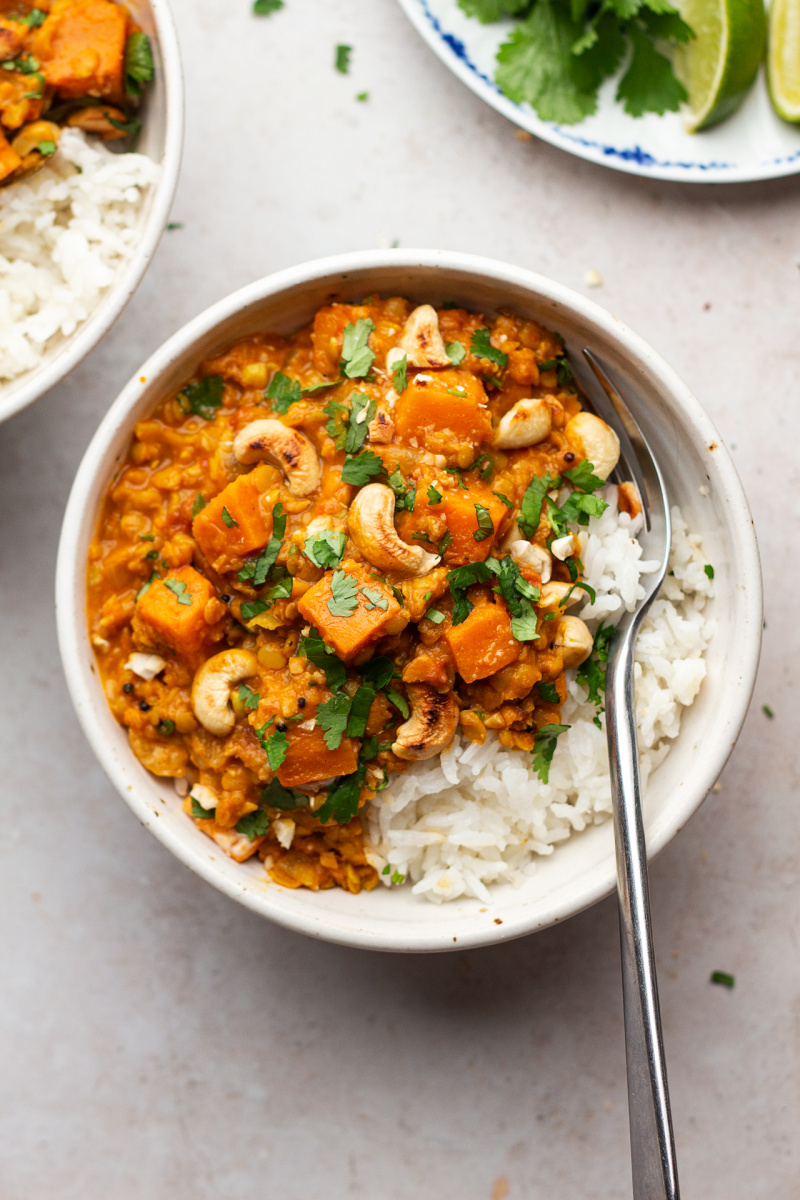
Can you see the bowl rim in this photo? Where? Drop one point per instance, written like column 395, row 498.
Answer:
column 73, row 632
column 98, row 323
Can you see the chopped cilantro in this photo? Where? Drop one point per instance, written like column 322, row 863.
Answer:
column 362, row 411
column 253, row 825
column 332, row 716
column 485, row 527
column 484, row 465
column 275, row 795
column 228, row 519
column 344, row 589
column 199, row 504
column 457, row 471
column 360, row 469
column 433, row 614
column 325, row 549
column 359, row 711
column 275, row 746
column 369, row 749
column 200, row 813
column 531, row 508
column 178, row 589
column 146, row 537
column 378, row 672
column 398, row 701
column 362, row 96
column 583, row 477
column 165, row 727
column 336, row 425
column 399, row 374
column 503, row 499
column 139, row 67
column 320, row 387
column 374, row 599
column 342, row 799
column 283, row 392
column 444, row 543
column 434, row 497
column 482, row 347
column 204, row 398
column 47, row 148
column 342, row 59
column 152, row 554
column 545, row 747
column 723, row 978
column 397, row 877
column 709, row 570
column 767, row 711
column 519, row 595
column 405, row 496
column 459, row 580
column 259, row 569
column 357, row 358
column 314, row 649
column 456, row 352
column 146, row 586
column 263, row 8
column 592, row 672
column 253, row 608
column 548, row 692
column 249, row 699
column 457, row 391
column 33, row 19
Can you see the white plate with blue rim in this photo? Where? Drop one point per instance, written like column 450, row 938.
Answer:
column 753, row 144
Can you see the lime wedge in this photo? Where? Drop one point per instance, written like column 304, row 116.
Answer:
column 718, row 66
column 783, row 58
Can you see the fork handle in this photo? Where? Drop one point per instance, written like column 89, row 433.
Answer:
column 655, row 1172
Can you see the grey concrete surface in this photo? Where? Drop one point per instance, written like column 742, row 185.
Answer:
column 161, row 1043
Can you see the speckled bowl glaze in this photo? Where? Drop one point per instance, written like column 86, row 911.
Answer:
column 162, row 140
column 692, row 456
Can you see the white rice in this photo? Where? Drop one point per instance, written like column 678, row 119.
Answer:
column 66, row 233
column 479, row 814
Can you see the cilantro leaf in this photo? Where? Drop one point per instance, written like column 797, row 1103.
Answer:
column 249, row 699
column 491, row 10
column 275, row 795
column 548, row 692
column 165, row 727
column 275, row 746
column 583, row 477
column 139, row 67
column 357, row 358
column 178, row 589
column 531, row 508
column 536, row 64
column 374, row 599
column 344, row 599
column 398, row 701
column 592, row 672
column 709, row 570
column 434, row 497
column 228, row 520
column 204, row 398
column 314, row 649
column 456, row 352
column 400, row 375
column 253, row 824
column 342, row 799
column 266, row 560
column 378, row 672
column 200, row 813
column 253, row 608
column 283, row 392
column 580, row 506
column 503, row 499
column 199, row 504
column 519, row 595
column 33, row 19
column 444, row 543
column 545, row 747
column 649, row 84
column 336, row 426
column 360, row 469
column 359, row 711
column 481, row 346
column 342, row 59
column 325, row 549
column 146, row 586
column 361, row 413
column 263, row 8
column 459, row 580
column 485, row 527
column 332, row 716
column 404, row 496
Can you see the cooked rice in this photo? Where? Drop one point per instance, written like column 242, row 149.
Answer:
column 479, row 814
column 66, row 233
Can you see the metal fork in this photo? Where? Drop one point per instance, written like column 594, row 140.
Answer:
column 654, row 1167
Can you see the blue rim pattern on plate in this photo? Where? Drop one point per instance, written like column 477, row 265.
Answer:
column 634, row 158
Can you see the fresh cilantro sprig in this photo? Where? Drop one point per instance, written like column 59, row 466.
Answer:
column 400, row 375
column 592, row 673
column 344, row 594
column 325, row 549
column 139, row 67
column 313, row 648
column 544, row 748
column 357, row 357
column 204, row 398
column 342, row 800
column 481, row 347
column 359, row 469
column 283, row 392
column 258, row 569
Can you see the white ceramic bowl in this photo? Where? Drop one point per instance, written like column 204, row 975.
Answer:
column 162, row 140
column 691, row 454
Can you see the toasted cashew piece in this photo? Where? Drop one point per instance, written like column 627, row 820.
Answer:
column 529, row 421
column 381, row 427
column 535, row 557
column 574, row 641
column 555, row 594
column 283, row 828
column 370, row 523
column 595, row 440
column 422, row 340
column 146, row 666
column 563, row 547
column 286, row 448
column 430, row 727
column 211, row 689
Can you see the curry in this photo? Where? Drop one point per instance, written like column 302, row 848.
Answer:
column 79, row 63
column 328, row 552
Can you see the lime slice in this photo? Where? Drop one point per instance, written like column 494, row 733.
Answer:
column 783, row 58
column 718, row 66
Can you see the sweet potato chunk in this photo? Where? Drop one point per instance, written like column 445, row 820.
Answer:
column 81, row 47
column 451, row 402
column 308, row 759
column 224, row 543
column 164, row 610
column 9, row 159
column 329, row 325
column 458, row 507
column 483, row 643
column 367, row 621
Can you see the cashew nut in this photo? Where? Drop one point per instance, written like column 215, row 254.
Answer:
column 370, row 523
column 211, row 689
column 529, row 421
column 422, row 341
column 594, row 440
column 562, row 547
column 381, row 428
column 433, row 721
column 559, row 595
column 283, row 828
column 146, row 666
column 574, row 641
column 536, row 557
column 287, row 448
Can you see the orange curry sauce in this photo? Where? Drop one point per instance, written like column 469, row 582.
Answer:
column 207, row 546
